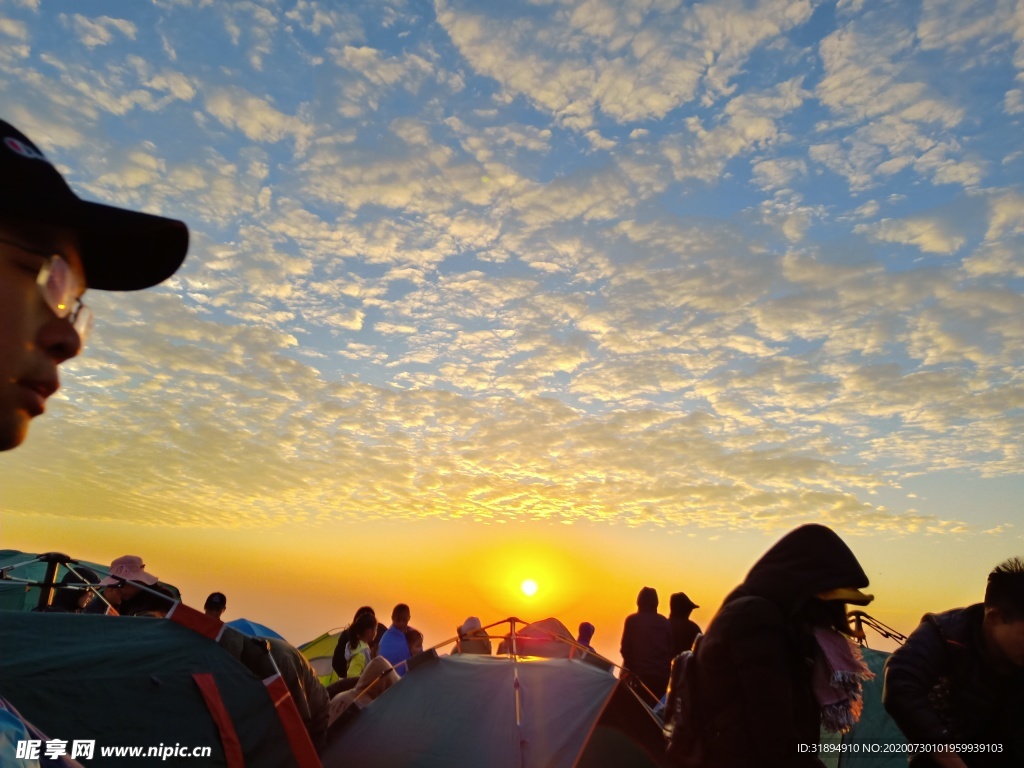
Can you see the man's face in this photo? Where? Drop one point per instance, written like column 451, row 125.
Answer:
column 1007, row 636
column 401, row 620
column 33, row 340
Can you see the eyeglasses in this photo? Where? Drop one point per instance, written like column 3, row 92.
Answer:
column 60, row 289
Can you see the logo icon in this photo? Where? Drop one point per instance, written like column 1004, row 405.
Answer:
column 23, row 149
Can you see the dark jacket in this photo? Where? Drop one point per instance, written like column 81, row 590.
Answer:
column 684, row 632
column 647, row 642
column 941, row 687
column 305, row 687
column 753, row 681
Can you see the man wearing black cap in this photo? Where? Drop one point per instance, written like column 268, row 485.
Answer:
column 53, row 246
column 684, row 629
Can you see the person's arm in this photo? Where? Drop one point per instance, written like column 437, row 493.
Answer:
column 910, row 675
column 626, row 646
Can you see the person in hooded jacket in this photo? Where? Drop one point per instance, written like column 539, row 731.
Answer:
column 764, row 666
column 647, row 644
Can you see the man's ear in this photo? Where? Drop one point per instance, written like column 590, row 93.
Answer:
column 993, row 615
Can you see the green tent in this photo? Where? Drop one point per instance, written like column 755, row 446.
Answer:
column 471, row 710
column 17, row 568
column 320, row 653
column 875, row 727
column 138, row 682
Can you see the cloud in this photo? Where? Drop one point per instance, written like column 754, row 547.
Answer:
column 930, row 235
column 236, row 108
column 873, row 80
column 627, row 60
column 100, row 30
column 13, row 28
column 748, row 122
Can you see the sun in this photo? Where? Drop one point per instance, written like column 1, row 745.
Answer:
column 529, row 587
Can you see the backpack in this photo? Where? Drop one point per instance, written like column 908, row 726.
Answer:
column 682, row 728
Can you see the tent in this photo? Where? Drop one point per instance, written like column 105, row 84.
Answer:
column 23, row 572
column 548, row 637
column 184, row 681
column 138, row 681
column 253, row 628
column 875, row 726
column 320, row 652
column 502, row 712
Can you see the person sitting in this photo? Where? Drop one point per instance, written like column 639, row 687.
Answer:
column 415, row 640
column 339, row 661
column 305, row 687
column 393, row 645
column 357, row 650
column 378, row 676
column 72, row 596
column 472, row 639
column 122, row 590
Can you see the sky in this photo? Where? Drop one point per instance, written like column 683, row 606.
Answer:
column 604, row 293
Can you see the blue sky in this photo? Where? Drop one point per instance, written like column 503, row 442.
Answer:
column 648, row 264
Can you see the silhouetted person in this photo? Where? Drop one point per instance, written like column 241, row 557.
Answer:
column 959, row 678
column 647, row 644
column 684, row 629
column 773, row 667
column 215, row 605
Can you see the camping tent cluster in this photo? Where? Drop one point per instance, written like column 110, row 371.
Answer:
column 144, row 682
column 170, row 682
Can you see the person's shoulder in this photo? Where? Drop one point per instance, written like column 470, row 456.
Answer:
column 745, row 612
column 957, row 624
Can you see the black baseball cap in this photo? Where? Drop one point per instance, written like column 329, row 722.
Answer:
column 216, row 600
column 121, row 250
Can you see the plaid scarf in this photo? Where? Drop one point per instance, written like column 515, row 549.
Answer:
column 838, row 672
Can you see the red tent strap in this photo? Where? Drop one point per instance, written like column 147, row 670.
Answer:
column 207, row 626
column 228, row 737
column 294, row 728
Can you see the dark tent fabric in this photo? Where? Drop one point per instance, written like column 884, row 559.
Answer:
column 129, row 681
column 462, row 711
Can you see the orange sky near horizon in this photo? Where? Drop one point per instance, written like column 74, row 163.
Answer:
column 308, row 579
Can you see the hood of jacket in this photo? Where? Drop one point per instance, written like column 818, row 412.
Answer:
column 804, row 562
